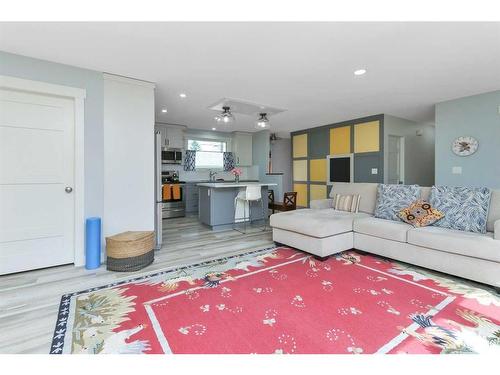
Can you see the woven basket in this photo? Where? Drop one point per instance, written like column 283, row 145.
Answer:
column 130, row 251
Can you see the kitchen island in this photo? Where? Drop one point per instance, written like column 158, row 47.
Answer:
column 217, row 206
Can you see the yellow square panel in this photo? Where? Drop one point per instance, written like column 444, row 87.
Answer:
column 340, row 140
column 300, row 146
column 301, row 190
column 317, row 169
column 366, row 137
column 317, row 192
column 300, row 170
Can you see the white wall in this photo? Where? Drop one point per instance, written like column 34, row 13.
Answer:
column 128, row 155
column 475, row 116
column 419, row 150
column 281, row 158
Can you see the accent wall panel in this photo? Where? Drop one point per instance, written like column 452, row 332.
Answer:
column 317, row 170
column 302, row 198
column 367, row 137
column 340, row 140
column 363, row 166
column 300, row 170
column 300, row 146
column 319, row 143
column 317, row 191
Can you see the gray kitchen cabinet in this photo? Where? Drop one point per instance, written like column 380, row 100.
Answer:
column 172, row 136
column 242, row 149
column 192, row 194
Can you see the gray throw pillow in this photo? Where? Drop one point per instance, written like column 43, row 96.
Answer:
column 393, row 198
column 465, row 208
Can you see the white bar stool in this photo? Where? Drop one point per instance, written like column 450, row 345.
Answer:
column 246, row 197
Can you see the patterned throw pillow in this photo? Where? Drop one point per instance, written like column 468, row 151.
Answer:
column 393, row 198
column 464, row 208
column 349, row 203
column 420, row 214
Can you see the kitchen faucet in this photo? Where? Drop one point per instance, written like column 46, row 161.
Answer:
column 212, row 176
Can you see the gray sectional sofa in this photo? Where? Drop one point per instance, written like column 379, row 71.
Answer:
column 323, row 231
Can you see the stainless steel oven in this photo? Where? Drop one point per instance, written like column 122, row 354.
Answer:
column 171, row 156
column 173, row 197
column 174, row 205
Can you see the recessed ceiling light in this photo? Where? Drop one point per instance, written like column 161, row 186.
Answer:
column 182, row 95
column 214, row 128
column 359, row 72
column 164, row 110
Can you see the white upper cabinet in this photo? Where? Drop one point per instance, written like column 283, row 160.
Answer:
column 242, row 148
column 171, row 136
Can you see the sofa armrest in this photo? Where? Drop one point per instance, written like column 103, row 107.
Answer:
column 496, row 234
column 323, row 203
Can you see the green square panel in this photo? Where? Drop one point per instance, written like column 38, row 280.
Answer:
column 319, row 143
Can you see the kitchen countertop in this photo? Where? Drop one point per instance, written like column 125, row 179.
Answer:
column 234, row 184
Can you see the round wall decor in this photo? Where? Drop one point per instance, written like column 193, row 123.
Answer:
column 464, row 146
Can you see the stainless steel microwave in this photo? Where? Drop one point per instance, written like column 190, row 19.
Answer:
column 171, row 156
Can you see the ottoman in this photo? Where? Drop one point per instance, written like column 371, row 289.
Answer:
column 130, row 251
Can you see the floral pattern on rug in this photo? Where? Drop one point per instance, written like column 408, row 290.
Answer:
column 283, row 301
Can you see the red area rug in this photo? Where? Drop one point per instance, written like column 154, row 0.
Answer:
column 283, row 301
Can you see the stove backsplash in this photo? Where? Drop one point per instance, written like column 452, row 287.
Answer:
column 249, row 173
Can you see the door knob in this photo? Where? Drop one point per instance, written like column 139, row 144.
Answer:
column 68, row 189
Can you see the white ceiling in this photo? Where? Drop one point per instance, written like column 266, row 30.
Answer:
column 306, row 68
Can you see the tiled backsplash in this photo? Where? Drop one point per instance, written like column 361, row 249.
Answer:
column 249, row 173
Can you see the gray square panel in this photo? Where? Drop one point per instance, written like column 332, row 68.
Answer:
column 364, row 163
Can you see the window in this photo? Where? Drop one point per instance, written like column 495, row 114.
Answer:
column 209, row 154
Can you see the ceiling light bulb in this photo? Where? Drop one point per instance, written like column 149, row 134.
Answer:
column 262, row 122
column 226, row 116
column 359, row 72
column 182, row 95
column 164, row 110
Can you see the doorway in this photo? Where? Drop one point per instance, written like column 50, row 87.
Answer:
column 395, row 160
column 37, row 177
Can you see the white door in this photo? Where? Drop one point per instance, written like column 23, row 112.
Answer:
column 395, row 159
column 36, row 181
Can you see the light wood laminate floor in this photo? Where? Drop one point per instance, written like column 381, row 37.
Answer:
column 29, row 300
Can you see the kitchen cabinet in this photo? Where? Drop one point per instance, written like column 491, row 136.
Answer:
column 171, row 136
column 242, row 149
column 192, row 195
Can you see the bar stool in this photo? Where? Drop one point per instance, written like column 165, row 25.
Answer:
column 246, row 197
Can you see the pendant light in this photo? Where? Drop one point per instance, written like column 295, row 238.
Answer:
column 263, row 122
column 226, row 117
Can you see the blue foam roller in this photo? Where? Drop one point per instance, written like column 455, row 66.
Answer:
column 92, row 243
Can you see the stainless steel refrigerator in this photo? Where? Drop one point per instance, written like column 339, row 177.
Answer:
column 158, row 192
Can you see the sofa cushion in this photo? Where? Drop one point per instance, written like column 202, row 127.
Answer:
column 420, row 214
column 465, row 208
column 393, row 198
column 476, row 245
column 388, row 229
column 315, row 223
column 347, row 202
column 366, row 190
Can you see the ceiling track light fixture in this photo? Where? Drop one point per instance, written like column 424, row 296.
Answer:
column 263, row 122
column 226, row 117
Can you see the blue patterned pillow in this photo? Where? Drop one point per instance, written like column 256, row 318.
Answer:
column 464, row 208
column 393, row 198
